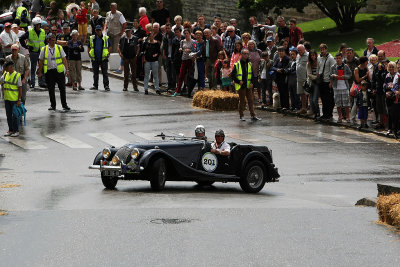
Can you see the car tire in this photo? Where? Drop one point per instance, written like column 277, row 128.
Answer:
column 205, row 183
column 158, row 175
column 109, row 182
column 254, row 177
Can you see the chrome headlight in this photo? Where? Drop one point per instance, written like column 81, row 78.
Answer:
column 106, row 153
column 115, row 160
column 135, row 153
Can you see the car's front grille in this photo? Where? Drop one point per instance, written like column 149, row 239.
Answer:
column 123, row 153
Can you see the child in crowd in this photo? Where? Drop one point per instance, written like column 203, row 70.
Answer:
column 218, row 66
column 226, row 81
column 72, row 19
column 265, row 79
column 82, row 22
column 362, row 103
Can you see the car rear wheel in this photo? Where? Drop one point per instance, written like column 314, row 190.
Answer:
column 158, row 175
column 254, row 177
column 205, row 183
column 109, row 182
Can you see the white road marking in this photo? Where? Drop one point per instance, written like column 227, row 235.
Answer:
column 292, row 137
column 68, row 141
column 25, row 144
column 333, row 137
column 109, row 138
column 371, row 136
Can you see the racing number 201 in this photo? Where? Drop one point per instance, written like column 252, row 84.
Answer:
column 208, row 161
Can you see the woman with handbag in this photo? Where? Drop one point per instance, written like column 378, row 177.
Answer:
column 312, row 83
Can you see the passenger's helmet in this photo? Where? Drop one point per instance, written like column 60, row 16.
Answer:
column 220, row 132
column 36, row 21
column 199, row 130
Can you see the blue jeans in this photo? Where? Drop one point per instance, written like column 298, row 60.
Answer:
column 34, row 57
column 104, row 70
column 201, row 74
column 153, row 66
column 314, row 95
column 11, row 119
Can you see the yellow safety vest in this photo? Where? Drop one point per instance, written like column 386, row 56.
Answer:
column 18, row 15
column 104, row 54
column 239, row 74
column 11, row 91
column 57, row 55
column 35, row 41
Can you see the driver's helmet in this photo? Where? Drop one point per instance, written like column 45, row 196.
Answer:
column 200, row 131
column 220, row 132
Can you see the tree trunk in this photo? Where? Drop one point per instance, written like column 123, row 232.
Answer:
column 346, row 23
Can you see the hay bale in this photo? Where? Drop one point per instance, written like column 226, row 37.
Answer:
column 395, row 215
column 216, row 100
column 384, row 205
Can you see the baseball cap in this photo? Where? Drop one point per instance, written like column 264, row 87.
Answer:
column 128, row 29
column 270, row 39
column 14, row 26
column 8, row 24
column 268, row 32
column 98, row 27
column 14, row 46
column 65, row 26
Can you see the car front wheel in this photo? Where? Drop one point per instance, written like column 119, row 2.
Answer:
column 158, row 175
column 254, row 177
column 109, row 182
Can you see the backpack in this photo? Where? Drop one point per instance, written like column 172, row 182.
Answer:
column 20, row 111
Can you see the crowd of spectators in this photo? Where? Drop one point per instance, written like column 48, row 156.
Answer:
column 285, row 67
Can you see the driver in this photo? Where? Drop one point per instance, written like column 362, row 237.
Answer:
column 220, row 147
column 200, row 133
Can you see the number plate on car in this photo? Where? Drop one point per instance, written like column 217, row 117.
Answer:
column 110, row 173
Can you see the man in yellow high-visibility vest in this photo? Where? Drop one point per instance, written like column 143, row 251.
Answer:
column 242, row 75
column 12, row 92
column 53, row 60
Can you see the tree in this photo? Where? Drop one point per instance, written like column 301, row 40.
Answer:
column 342, row 12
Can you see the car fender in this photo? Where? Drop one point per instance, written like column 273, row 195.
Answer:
column 252, row 156
column 97, row 159
column 149, row 155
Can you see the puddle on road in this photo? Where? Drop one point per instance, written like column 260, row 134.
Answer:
column 100, row 118
column 170, row 221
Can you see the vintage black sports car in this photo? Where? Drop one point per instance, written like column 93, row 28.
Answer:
column 185, row 159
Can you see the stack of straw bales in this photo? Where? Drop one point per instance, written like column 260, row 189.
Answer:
column 389, row 209
column 216, row 100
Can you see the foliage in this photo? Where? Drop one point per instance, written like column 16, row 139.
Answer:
column 342, row 12
column 380, row 27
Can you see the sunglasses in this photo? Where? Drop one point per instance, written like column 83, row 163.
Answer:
column 219, row 136
column 229, row 31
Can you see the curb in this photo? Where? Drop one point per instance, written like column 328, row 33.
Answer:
column 331, row 123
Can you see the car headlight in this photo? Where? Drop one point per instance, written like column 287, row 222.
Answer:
column 135, row 153
column 115, row 160
column 106, row 153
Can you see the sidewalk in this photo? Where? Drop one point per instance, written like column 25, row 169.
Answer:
column 87, row 66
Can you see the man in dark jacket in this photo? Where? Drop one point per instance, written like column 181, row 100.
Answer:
column 176, row 53
column 371, row 48
column 167, row 55
column 128, row 50
column 378, row 92
column 211, row 50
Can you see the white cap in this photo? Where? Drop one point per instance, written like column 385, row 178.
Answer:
column 36, row 21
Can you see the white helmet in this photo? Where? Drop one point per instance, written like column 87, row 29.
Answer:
column 36, row 21
column 199, row 129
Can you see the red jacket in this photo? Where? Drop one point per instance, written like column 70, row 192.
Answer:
column 143, row 21
column 81, row 16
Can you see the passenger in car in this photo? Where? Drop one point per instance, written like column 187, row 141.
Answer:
column 200, row 133
column 220, row 147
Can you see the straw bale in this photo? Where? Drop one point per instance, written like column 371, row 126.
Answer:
column 216, row 100
column 384, row 205
column 395, row 215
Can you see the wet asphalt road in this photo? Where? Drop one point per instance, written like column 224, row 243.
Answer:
column 61, row 215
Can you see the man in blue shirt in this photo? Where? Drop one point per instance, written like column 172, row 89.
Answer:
column 99, row 52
